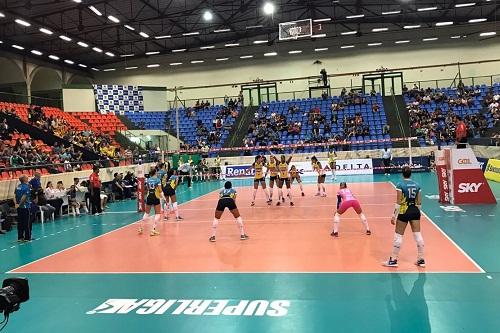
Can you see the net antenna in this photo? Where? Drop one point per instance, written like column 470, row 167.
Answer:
column 294, row 30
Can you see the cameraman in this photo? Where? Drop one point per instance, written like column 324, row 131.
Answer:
column 23, row 205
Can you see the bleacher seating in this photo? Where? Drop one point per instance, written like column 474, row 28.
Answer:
column 70, row 119
column 187, row 128
column 21, row 110
column 105, row 123
column 462, row 111
column 374, row 120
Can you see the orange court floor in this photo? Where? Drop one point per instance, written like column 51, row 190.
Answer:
column 282, row 239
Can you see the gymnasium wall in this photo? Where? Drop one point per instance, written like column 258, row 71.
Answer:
column 78, row 98
column 336, row 61
column 155, row 99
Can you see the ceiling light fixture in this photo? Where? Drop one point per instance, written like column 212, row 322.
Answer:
column 178, row 50
column 127, row 55
column 442, row 24
column 152, row 53
column 95, row 10
column 109, row 54
column 269, row 8
column 129, row 27
column 322, row 20
column 318, row 36
column 208, row 16
column 153, row 66
column 143, row 34
column 65, row 38
column 374, row 44
column 426, row 9
column 232, row 44
column 416, row 26
column 95, row 69
column 260, row 41
column 82, row 65
column 197, row 61
column 347, row 46
column 132, row 67
column 45, row 31
column 401, row 42
column 295, row 52
column 53, row 57
column 17, row 47
column 345, row 33
column 430, row 39
column 222, row 59
column 393, row 12
column 321, row 49
column 467, row 4
column 36, row 52
column 207, row 47
column 163, row 37
column 355, row 16
column 109, row 70
column 113, row 19
column 254, row 26
column 379, row 29
column 82, row 44
column 70, row 62
column 194, row 33
column 98, row 50
column 222, row 30
column 486, row 34
column 270, row 54
column 246, row 57
column 175, row 63
column 477, row 20
column 22, row 22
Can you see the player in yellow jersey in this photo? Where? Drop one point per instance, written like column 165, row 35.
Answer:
column 217, row 167
column 316, row 165
column 332, row 162
column 259, row 177
column 295, row 175
column 273, row 176
column 284, row 178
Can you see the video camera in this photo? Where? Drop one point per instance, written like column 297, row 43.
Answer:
column 14, row 291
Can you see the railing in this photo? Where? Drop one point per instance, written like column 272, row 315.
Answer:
column 488, row 80
column 30, row 99
column 190, row 102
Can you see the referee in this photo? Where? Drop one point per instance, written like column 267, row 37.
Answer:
column 387, row 157
column 95, row 191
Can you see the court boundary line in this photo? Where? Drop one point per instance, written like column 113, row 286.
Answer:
column 91, row 239
column 449, row 238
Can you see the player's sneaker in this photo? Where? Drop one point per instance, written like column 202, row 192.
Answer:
column 140, row 231
column 244, row 237
column 154, row 233
column 317, row 194
column 212, row 239
column 179, row 218
column 252, row 204
column 291, row 203
column 420, row 263
column 368, row 232
column 283, row 199
column 323, row 195
column 303, row 194
column 390, row 263
column 165, row 217
column 269, row 202
column 334, row 234
column 278, row 203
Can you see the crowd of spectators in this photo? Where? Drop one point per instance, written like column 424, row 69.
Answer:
column 439, row 125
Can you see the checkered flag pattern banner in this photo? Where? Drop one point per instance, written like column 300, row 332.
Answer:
column 117, row 98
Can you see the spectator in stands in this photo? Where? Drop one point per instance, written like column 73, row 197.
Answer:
column 385, row 129
column 4, row 130
column 375, row 107
column 95, row 191
column 292, row 109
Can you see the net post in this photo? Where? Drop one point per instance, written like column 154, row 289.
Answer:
column 409, row 148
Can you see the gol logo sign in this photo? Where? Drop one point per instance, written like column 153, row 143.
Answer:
column 464, row 161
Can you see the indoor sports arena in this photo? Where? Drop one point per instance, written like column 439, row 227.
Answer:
column 249, row 166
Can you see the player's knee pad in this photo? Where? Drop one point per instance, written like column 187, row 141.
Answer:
column 174, row 206
column 398, row 240
column 418, row 238
column 362, row 217
column 336, row 218
column 215, row 222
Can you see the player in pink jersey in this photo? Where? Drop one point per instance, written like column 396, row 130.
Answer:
column 345, row 201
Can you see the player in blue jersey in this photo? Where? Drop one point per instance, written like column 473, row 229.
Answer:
column 227, row 199
column 407, row 210
column 169, row 184
column 153, row 189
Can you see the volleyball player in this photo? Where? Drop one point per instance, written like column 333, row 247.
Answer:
column 227, row 199
column 332, row 162
column 160, row 174
column 346, row 200
column 295, row 175
column 169, row 183
column 217, row 170
column 316, row 165
column 273, row 176
column 153, row 187
column 407, row 210
column 284, row 178
column 259, row 178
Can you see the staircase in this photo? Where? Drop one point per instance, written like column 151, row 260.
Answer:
column 130, row 125
column 398, row 120
column 239, row 130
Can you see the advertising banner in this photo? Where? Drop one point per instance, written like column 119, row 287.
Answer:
column 492, row 171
